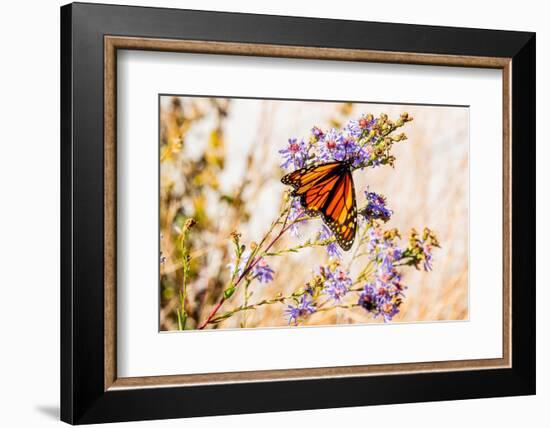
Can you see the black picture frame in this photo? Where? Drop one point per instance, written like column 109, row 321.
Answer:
column 83, row 396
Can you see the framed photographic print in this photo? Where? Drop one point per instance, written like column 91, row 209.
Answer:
column 291, row 213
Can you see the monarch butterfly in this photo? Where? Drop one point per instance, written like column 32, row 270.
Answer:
column 328, row 189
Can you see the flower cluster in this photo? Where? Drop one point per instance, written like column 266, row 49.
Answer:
column 364, row 142
column 379, row 283
column 419, row 250
column 336, row 283
column 382, row 295
column 262, row 271
column 295, row 154
column 331, row 281
column 301, row 310
column 382, row 246
column 251, row 268
column 380, row 301
column 375, row 208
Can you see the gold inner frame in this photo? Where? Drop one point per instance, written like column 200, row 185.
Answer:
column 113, row 43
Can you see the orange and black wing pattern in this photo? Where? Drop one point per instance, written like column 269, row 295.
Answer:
column 327, row 189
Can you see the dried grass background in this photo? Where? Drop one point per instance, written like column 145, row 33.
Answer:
column 220, row 165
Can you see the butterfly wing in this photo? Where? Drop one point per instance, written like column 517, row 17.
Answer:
column 328, row 190
column 340, row 211
column 313, row 184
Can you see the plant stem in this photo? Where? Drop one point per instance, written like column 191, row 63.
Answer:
column 247, row 284
column 253, row 261
column 214, row 311
column 295, row 249
column 352, row 305
column 181, row 312
column 280, row 299
column 360, row 243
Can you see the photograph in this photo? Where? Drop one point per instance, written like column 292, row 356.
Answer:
column 274, row 214
column 297, row 213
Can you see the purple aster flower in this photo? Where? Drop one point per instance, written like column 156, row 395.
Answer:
column 295, row 230
column 303, row 309
column 358, row 151
column 296, row 154
column 317, row 133
column 388, row 310
column 382, row 296
column 387, row 276
column 420, row 248
column 337, row 284
column 342, row 147
column 381, row 299
column 366, row 124
column 367, row 298
column 353, row 129
column 296, row 212
column 383, row 249
column 376, row 207
column 428, row 257
column 263, row 272
column 333, row 250
column 330, row 143
column 242, row 264
column 347, row 149
column 361, row 156
column 381, row 307
column 375, row 237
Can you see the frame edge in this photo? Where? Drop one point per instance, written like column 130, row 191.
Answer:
column 66, row 316
column 523, row 160
column 80, row 402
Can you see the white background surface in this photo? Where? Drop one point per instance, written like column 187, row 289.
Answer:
column 142, row 350
column 29, row 231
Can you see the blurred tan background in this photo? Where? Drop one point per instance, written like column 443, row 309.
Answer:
column 220, row 165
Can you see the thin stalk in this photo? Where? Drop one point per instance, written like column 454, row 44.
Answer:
column 181, row 311
column 253, row 261
column 246, row 296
